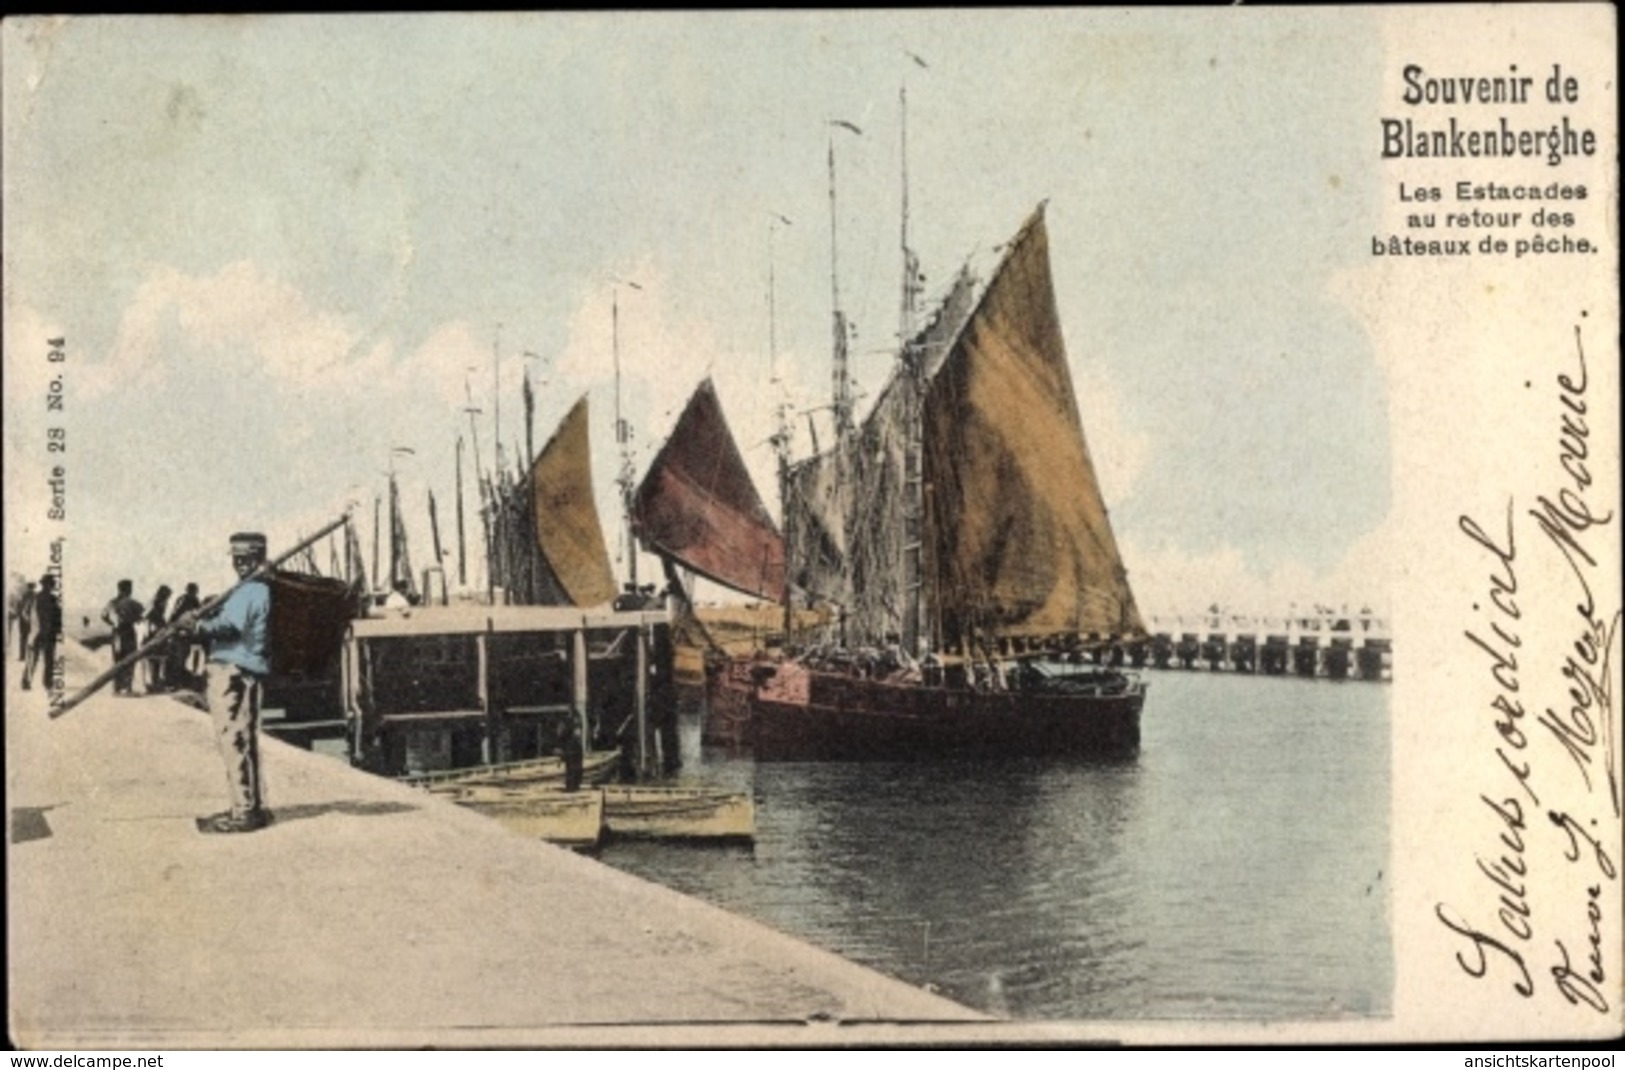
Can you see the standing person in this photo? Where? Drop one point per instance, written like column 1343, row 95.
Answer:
column 570, row 750
column 238, row 633
column 23, row 613
column 46, row 611
column 180, row 672
column 123, row 614
column 157, row 616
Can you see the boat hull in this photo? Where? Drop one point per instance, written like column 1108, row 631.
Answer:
column 583, row 818
column 678, row 814
column 845, row 718
column 597, row 767
column 728, row 686
column 567, row 818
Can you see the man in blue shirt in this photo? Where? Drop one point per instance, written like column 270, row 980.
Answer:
column 238, row 634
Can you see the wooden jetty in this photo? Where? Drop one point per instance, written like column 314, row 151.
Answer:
column 449, row 687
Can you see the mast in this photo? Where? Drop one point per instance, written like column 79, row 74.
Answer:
column 496, row 402
column 912, row 379
column 842, row 385
column 530, row 412
column 627, row 478
column 486, row 505
column 400, row 563
column 530, row 423
column 434, row 530
column 781, row 411
column 394, row 532
column 462, row 546
column 375, row 527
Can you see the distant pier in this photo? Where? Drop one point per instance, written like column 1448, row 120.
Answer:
column 1341, row 648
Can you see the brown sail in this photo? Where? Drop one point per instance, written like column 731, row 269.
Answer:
column 698, row 505
column 1019, row 539
column 568, row 532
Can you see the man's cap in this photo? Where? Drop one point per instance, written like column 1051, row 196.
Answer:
column 248, row 543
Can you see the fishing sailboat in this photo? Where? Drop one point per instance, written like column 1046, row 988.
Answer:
column 961, row 531
column 548, row 544
column 698, row 508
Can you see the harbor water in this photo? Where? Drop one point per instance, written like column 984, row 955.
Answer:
column 1236, row 870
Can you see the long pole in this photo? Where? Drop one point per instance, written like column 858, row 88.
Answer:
column 496, row 399
column 912, row 380
column 462, row 546
column 623, row 432
column 213, row 604
column 781, row 415
column 394, row 530
column 487, row 505
column 434, row 530
column 626, row 459
column 841, row 373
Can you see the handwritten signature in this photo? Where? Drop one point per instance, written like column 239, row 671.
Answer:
column 1583, row 727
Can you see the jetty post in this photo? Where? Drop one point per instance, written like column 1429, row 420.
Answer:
column 641, row 702
column 489, row 749
column 578, row 680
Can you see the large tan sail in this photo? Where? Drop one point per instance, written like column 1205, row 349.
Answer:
column 698, row 505
column 1020, row 544
column 568, row 532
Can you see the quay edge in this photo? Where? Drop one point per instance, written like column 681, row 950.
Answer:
column 368, row 914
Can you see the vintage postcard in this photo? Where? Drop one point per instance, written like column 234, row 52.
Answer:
column 813, row 528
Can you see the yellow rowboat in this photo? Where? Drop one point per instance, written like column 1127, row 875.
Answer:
column 626, row 812
column 678, row 813
column 596, row 767
column 568, row 818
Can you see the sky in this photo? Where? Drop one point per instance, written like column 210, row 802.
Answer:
column 285, row 250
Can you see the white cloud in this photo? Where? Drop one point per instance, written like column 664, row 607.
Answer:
column 441, row 365
column 239, row 313
column 1170, row 582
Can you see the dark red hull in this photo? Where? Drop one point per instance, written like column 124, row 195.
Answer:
column 847, row 718
column 727, row 718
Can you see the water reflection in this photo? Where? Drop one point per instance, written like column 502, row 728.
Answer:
column 1234, row 870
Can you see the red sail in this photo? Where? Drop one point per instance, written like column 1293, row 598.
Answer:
column 698, row 505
